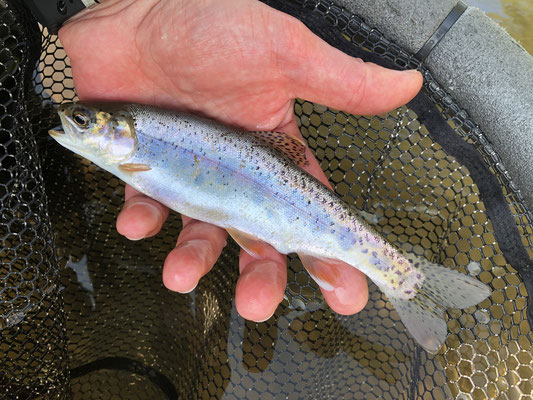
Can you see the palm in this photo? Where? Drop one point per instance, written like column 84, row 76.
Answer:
column 225, row 73
column 242, row 63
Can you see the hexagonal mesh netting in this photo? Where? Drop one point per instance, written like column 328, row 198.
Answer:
column 129, row 337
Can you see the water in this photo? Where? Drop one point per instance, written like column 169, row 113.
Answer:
column 516, row 16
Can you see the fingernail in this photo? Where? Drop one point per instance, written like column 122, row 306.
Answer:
column 135, row 239
column 266, row 319
column 189, row 291
column 412, row 71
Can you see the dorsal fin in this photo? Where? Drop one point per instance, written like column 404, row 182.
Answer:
column 289, row 145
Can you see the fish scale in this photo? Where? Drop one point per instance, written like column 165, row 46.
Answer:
column 253, row 185
column 229, row 162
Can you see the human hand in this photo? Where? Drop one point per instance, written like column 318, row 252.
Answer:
column 242, row 63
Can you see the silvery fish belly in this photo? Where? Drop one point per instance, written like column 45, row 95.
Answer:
column 252, row 184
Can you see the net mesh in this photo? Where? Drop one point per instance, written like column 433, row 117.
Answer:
column 66, row 273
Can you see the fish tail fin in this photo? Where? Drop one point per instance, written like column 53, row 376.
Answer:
column 438, row 289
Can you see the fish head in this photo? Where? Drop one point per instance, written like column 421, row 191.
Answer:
column 104, row 132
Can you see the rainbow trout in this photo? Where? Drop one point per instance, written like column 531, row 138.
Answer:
column 252, row 184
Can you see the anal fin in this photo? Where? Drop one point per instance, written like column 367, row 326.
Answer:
column 250, row 244
column 322, row 270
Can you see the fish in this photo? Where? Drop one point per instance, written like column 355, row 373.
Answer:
column 253, row 184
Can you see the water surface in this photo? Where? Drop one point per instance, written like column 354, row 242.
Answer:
column 516, row 16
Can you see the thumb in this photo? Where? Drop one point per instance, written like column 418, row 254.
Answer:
column 320, row 73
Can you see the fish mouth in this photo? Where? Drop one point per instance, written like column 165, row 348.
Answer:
column 57, row 131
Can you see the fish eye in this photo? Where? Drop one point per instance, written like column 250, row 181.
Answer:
column 80, row 119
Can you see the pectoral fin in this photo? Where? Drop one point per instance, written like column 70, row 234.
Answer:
column 289, row 145
column 133, row 167
column 323, row 271
column 250, row 244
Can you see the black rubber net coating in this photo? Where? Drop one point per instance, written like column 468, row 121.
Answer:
column 84, row 314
